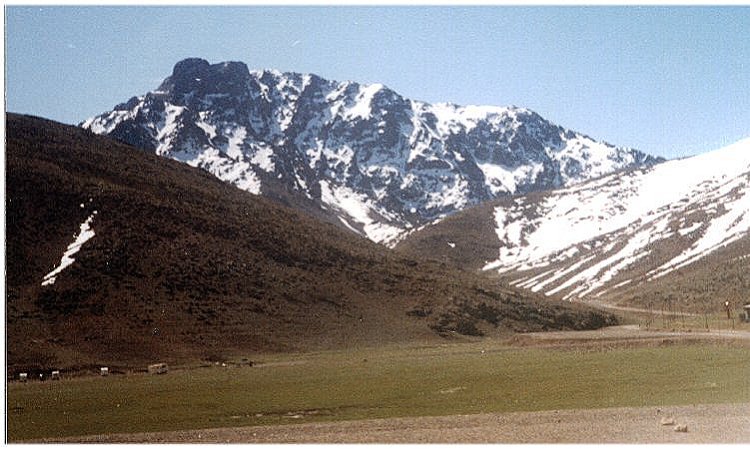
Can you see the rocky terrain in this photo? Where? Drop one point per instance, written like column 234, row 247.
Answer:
column 378, row 162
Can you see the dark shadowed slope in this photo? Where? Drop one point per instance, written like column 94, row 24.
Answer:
column 182, row 266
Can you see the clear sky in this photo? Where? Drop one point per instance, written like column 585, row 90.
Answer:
column 671, row 81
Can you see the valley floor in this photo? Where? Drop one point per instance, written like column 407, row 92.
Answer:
column 613, row 385
column 716, row 423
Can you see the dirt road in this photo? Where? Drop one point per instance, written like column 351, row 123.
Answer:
column 658, row 313
column 628, row 335
column 723, row 423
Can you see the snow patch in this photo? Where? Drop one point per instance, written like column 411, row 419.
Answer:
column 501, row 179
column 721, row 231
column 359, row 208
column 210, row 130
column 690, row 229
column 84, row 234
column 241, row 174
column 363, row 102
column 263, row 158
column 235, row 138
column 166, row 132
column 453, row 118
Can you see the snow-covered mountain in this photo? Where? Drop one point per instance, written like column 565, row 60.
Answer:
column 382, row 163
column 622, row 231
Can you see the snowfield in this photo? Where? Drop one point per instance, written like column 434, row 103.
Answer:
column 700, row 204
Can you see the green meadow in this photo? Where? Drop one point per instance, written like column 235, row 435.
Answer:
column 398, row 381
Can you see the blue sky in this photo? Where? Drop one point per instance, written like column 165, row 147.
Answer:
column 671, row 81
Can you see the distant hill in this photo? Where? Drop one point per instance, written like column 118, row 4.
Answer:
column 677, row 232
column 167, row 262
column 381, row 163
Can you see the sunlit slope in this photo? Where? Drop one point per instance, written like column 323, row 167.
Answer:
column 623, row 231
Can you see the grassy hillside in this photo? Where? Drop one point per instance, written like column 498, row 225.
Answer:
column 185, row 267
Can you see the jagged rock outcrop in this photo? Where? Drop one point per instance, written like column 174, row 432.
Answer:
column 382, row 163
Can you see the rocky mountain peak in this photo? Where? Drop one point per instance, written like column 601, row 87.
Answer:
column 196, row 78
column 382, row 163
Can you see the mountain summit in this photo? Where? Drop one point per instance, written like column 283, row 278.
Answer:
column 381, row 163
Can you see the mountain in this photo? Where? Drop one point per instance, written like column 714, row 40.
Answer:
column 120, row 257
column 675, row 231
column 382, row 164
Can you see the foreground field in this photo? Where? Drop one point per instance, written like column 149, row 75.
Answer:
column 726, row 423
column 487, row 376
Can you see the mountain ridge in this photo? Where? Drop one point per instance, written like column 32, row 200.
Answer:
column 381, row 163
column 623, row 233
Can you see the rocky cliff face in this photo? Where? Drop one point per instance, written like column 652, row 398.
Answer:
column 383, row 164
